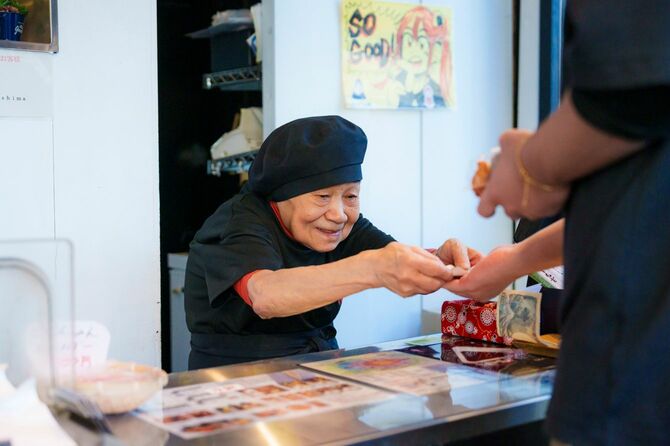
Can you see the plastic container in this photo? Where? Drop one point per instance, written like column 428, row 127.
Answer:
column 121, row 386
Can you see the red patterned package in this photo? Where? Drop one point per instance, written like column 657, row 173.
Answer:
column 471, row 319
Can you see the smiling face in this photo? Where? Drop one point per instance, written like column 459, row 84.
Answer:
column 323, row 218
column 415, row 50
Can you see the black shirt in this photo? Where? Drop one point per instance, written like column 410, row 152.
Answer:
column 612, row 385
column 242, row 236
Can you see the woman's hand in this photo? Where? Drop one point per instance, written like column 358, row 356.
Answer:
column 409, row 270
column 489, row 276
column 506, row 186
column 453, row 252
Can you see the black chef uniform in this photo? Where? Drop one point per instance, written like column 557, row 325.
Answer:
column 613, row 381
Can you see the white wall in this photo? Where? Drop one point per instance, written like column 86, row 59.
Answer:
column 418, row 164
column 26, row 178
column 97, row 177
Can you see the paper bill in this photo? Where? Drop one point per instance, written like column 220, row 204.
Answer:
column 518, row 315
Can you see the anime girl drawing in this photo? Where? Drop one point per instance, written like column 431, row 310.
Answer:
column 423, row 60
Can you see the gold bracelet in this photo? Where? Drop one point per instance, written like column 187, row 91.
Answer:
column 528, row 180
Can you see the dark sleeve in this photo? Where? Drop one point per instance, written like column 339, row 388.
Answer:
column 364, row 236
column 617, row 43
column 240, row 252
column 638, row 114
column 525, row 228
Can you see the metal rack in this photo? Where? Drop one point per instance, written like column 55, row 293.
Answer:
column 233, row 164
column 245, row 78
column 233, row 69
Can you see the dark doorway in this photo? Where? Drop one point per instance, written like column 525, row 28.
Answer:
column 190, row 119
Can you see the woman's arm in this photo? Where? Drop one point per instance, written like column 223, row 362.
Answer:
column 403, row 269
column 503, row 265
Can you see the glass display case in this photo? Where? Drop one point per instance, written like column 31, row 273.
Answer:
column 36, row 297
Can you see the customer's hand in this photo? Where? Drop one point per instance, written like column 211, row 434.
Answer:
column 492, row 274
column 506, row 186
column 409, row 270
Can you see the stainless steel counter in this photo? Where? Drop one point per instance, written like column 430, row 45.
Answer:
column 508, row 398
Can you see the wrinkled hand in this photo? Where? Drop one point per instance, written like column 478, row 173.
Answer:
column 489, row 276
column 409, row 270
column 453, row 252
column 506, row 187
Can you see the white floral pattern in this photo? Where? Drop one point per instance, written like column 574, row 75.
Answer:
column 450, row 313
column 487, row 316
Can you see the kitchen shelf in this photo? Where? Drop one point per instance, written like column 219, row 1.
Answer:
column 245, row 78
column 233, row 164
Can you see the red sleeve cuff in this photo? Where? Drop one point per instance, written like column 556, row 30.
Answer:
column 241, row 287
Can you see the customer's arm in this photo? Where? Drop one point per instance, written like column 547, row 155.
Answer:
column 503, row 265
column 565, row 147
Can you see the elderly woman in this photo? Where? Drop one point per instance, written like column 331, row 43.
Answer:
column 267, row 272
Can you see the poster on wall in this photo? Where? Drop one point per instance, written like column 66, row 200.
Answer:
column 29, row 25
column 397, row 56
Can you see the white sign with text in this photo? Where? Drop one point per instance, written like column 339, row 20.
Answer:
column 26, row 87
